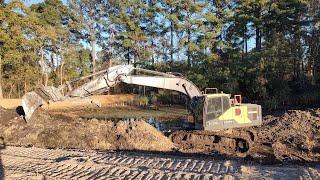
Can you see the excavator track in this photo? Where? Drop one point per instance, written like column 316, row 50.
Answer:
column 235, row 142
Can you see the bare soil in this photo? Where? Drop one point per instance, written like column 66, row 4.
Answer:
column 290, row 136
column 38, row 163
column 59, row 131
column 293, row 135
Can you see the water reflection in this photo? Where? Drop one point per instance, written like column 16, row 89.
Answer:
column 161, row 125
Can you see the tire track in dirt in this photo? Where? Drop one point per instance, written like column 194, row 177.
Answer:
column 33, row 163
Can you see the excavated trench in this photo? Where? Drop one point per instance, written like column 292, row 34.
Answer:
column 291, row 136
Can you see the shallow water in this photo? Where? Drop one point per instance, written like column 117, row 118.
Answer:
column 163, row 126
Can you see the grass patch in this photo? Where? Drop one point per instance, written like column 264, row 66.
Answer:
column 163, row 113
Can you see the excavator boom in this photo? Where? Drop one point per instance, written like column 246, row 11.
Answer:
column 107, row 79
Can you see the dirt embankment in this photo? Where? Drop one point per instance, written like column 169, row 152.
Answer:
column 294, row 135
column 65, row 132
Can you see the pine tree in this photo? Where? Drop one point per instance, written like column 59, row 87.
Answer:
column 170, row 27
column 92, row 18
column 190, row 18
column 129, row 23
column 17, row 50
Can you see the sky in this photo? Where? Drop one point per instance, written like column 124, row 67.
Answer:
column 30, row 2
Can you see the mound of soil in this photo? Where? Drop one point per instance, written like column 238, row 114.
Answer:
column 64, row 132
column 294, row 135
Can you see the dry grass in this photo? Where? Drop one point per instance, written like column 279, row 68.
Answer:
column 103, row 100
column 10, row 103
column 162, row 113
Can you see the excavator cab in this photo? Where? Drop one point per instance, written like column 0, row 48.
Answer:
column 220, row 111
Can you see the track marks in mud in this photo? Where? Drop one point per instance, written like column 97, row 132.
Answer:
column 71, row 164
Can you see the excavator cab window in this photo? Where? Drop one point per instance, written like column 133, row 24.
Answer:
column 216, row 105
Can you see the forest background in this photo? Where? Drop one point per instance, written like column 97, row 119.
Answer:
column 266, row 50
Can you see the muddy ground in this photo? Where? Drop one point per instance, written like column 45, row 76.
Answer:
column 290, row 136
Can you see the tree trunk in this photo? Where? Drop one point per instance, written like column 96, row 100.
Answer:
column 19, row 91
column 258, row 39
column 25, row 86
column 45, row 73
column 110, row 62
column 152, row 47
column 93, row 54
column 128, row 56
column 171, row 37
column 188, row 51
column 61, row 74
column 316, row 63
column 46, row 79
column 258, row 31
column 11, row 89
column 1, row 94
column 296, row 56
column 245, row 39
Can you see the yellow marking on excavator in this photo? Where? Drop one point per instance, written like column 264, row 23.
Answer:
column 231, row 114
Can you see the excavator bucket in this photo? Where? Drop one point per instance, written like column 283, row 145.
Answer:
column 30, row 102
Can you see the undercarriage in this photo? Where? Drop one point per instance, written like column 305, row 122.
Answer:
column 234, row 142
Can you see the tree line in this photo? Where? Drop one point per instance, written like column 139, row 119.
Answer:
column 268, row 51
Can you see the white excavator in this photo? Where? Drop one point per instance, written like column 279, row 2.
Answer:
column 212, row 111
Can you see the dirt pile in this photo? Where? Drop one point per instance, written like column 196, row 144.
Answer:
column 65, row 132
column 294, row 135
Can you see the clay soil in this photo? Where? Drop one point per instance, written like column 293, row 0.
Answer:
column 290, row 136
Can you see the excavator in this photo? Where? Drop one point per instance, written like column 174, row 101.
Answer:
column 220, row 122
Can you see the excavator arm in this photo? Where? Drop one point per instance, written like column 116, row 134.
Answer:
column 108, row 78
column 171, row 83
